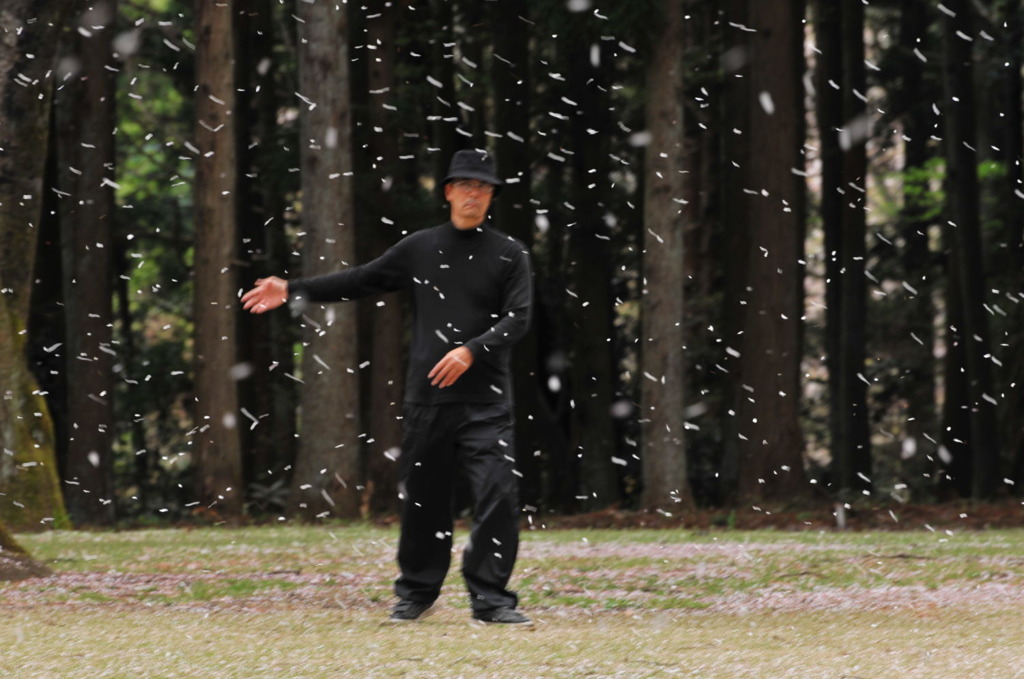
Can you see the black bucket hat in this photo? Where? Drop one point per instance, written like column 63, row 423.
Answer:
column 473, row 164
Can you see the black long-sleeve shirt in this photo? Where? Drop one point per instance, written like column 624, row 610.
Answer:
column 470, row 288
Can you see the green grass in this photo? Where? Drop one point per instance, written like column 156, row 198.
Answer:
column 306, row 601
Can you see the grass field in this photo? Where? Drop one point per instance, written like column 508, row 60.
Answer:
column 294, row 601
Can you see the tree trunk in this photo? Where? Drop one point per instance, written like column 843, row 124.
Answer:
column 964, row 213
column 253, row 36
column 86, row 124
column 662, row 405
column 842, row 121
column 28, row 468
column 704, row 264
column 266, row 342
column 592, row 365
column 387, row 324
column 443, row 137
column 1010, row 140
column 956, row 413
column 768, row 403
column 510, row 75
column 217, row 448
column 470, row 68
column 736, row 222
column 15, row 564
column 327, row 472
column 916, row 356
column 851, row 445
column 47, row 332
column 829, row 110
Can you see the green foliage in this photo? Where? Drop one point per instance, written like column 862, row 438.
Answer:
column 153, row 232
column 923, row 191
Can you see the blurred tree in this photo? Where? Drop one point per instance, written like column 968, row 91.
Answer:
column 86, row 175
column 28, row 469
column 536, row 427
column 851, row 443
column 216, row 447
column 1001, row 139
column 667, row 166
column 705, row 260
column 266, row 343
column 828, row 76
column 905, row 320
column 327, row 477
column 767, row 401
column 591, row 362
column 967, row 251
column 444, row 111
column 379, row 228
column 470, row 77
column 736, row 220
column 844, row 127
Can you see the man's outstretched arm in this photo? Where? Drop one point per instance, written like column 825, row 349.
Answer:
column 387, row 273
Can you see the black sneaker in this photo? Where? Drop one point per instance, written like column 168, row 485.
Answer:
column 502, row 615
column 408, row 610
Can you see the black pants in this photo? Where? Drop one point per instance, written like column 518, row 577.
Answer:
column 437, row 440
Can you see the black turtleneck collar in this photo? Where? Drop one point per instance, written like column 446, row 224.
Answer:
column 466, row 233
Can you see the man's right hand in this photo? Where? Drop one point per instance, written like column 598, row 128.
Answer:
column 268, row 294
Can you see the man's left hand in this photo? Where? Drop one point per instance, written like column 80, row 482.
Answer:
column 451, row 367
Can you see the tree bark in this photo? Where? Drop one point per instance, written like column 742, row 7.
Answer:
column 851, row 447
column 916, row 355
column 768, row 402
column 87, row 178
column 964, row 212
column 536, row 425
column 592, row 364
column 217, row 447
column 445, row 114
column 662, row 405
column 736, row 223
column 958, row 476
column 1009, row 132
column 15, row 563
column 470, row 68
column 265, row 342
column 386, row 318
column 842, row 121
column 829, row 110
column 28, row 468
column 327, row 478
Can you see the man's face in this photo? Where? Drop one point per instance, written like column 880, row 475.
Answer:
column 469, row 200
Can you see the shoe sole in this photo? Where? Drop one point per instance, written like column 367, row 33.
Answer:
column 497, row 623
column 403, row 621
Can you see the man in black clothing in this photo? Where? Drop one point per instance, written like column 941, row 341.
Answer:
column 472, row 294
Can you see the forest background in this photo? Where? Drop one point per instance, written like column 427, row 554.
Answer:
column 777, row 248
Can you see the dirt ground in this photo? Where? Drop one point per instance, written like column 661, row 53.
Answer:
column 14, row 567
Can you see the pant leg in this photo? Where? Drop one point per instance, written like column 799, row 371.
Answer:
column 486, row 452
column 427, row 466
